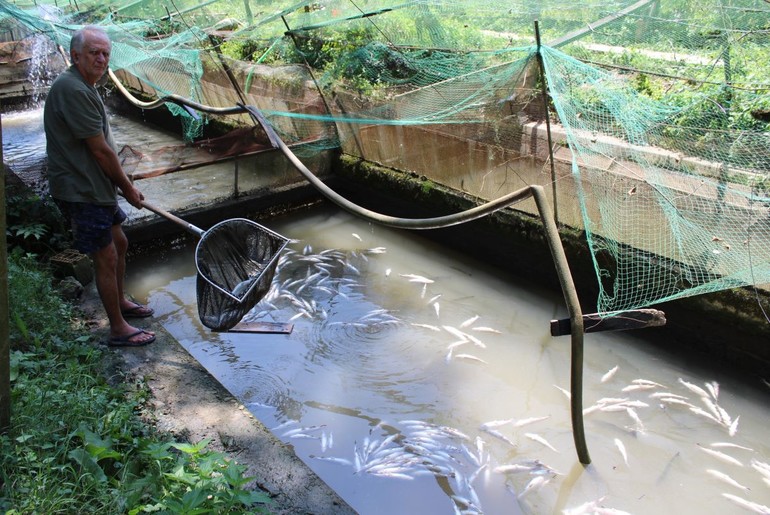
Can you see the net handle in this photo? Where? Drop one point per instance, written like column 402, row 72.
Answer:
column 165, row 214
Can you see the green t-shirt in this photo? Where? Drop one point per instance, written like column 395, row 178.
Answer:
column 75, row 111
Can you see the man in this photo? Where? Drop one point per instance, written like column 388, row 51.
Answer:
column 84, row 172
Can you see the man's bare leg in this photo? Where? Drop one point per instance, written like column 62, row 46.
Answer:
column 107, row 264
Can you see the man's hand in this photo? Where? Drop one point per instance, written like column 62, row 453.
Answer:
column 133, row 196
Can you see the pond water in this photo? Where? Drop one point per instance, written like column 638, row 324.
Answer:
column 416, row 380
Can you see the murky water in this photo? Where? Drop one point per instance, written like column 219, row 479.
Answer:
column 418, row 381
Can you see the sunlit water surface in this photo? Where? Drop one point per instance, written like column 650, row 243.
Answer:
column 419, row 381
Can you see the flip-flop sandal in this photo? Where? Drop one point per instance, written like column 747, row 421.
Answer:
column 138, row 311
column 125, row 341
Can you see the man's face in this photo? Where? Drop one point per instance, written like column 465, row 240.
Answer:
column 93, row 60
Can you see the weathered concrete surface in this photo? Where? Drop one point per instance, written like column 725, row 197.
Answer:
column 191, row 405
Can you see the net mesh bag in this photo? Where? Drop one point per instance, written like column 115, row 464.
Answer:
column 236, row 261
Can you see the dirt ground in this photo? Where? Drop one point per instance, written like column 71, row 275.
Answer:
column 191, row 405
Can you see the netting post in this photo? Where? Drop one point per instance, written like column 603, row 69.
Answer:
column 544, row 93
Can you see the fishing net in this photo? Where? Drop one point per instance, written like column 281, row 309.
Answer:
column 236, row 261
column 660, row 112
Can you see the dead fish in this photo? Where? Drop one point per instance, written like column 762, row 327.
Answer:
column 693, row 388
column 731, row 445
column 635, row 387
column 726, row 479
column 456, row 344
column 428, row 326
column 609, row 374
column 677, row 401
column 333, row 459
column 535, row 484
column 658, row 395
column 483, row 329
column 513, row 469
column 499, row 435
column 721, row 456
column 539, row 439
column 713, row 388
column 495, row 423
column 527, row 421
column 647, row 382
column 565, row 392
column 455, row 332
column 635, row 417
column 470, row 357
column 413, row 278
column 622, row 449
column 763, row 469
column 748, row 505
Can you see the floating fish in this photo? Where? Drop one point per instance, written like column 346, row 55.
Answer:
column 693, row 388
column 482, row 329
column 731, row 445
column 609, row 374
column 341, row 461
column 622, row 449
column 428, row 326
column 726, row 479
column 526, row 421
column 535, row 484
column 470, row 357
column 413, row 278
column 748, row 505
column 499, row 435
column 539, row 439
column 495, row 423
column 721, row 456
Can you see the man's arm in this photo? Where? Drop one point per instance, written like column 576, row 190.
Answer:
column 110, row 165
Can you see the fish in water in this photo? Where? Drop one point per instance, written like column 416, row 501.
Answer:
column 539, row 439
column 609, row 374
column 622, row 449
column 726, row 479
column 748, row 505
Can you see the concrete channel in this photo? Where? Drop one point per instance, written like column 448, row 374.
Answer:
column 395, row 170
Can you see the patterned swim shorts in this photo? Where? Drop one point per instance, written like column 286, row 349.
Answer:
column 91, row 224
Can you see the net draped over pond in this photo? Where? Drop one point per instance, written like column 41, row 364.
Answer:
column 660, row 112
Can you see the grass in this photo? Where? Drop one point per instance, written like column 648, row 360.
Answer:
column 77, row 444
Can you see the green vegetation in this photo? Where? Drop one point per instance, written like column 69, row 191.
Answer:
column 77, row 444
